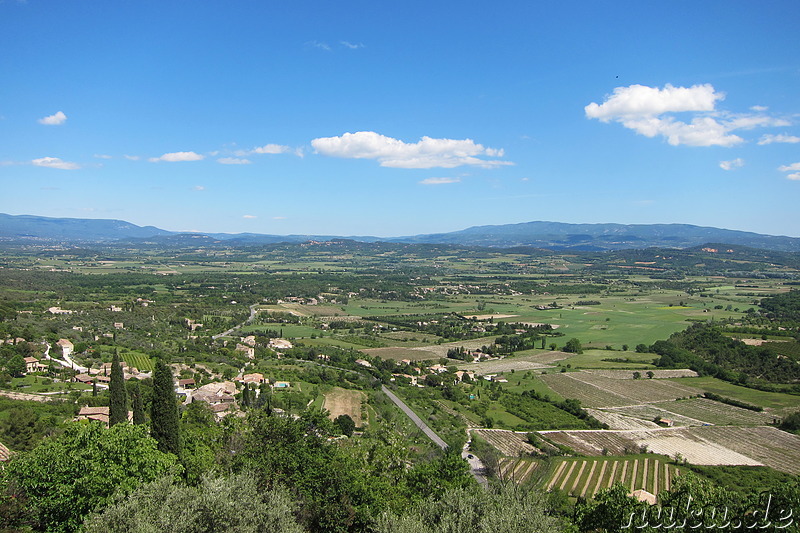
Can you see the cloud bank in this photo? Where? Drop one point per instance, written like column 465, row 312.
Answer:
column 55, row 162
column 426, row 153
column 648, row 111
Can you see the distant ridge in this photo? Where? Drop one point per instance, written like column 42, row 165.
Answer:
column 598, row 237
column 548, row 235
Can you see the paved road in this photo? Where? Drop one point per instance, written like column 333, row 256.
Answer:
column 414, row 418
column 234, row 328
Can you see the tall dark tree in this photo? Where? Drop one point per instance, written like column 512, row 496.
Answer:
column 118, row 411
column 138, row 405
column 164, row 410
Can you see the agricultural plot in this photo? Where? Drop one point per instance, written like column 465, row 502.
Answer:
column 706, row 445
column 517, row 364
column 140, row 361
column 399, row 353
column 771, row 446
column 508, row 443
column 340, row 401
column 615, row 420
column 716, row 413
column 598, row 391
column 657, row 374
column 516, row 470
column 650, row 412
column 585, row 477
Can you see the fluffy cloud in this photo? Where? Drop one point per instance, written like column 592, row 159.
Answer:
column 732, row 164
column 780, row 138
column 55, row 162
column 646, row 110
column 793, row 168
column 640, row 100
column 426, row 153
column 54, row 120
column 271, row 149
column 233, row 161
column 439, row 181
column 174, row 157
column 249, row 216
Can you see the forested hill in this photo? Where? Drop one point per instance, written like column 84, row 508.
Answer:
column 588, row 237
column 548, row 235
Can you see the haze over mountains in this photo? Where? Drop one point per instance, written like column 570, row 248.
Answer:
column 550, row 235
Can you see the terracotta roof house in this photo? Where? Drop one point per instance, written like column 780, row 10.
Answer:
column 33, row 365
column 66, row 347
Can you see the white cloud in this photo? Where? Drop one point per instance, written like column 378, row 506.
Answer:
column 55, row 162
column 795, row 176
column 780, row 138
column 439, row 181
column 640, row 100
column 249, row 216
column 426, row 153
column 759, row 108
column 133, row 157
column 103, row 156
column 266, row 149
column 233, row 161
column 789, row 168
column 54, row 120
column 198, row 188
column 732, row 164
column 321, row 46
column 174, row 157
column 350, row 45
column 271, row 149
column 647, row 111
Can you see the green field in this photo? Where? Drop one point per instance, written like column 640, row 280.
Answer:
column 779, row 403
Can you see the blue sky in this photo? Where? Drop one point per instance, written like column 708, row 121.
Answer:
column 389, row 118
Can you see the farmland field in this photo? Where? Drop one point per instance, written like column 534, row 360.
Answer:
column 139, row 360
column 340, row 401
column 716, row 413
column 518, row 470
column 585, row 477
column 707, row 445
column 509, row 443
column 594, row 390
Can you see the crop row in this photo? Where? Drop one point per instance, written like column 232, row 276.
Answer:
column 585, row 477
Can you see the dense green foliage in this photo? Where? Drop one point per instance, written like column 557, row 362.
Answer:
column 164, row 411
column 64, row 479
column 703, row 348
column 234, row 505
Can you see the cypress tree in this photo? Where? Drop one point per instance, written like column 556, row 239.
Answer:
column 118, row 411
column 138, row 405
column 164, row 410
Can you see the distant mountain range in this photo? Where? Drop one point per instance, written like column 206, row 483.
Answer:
column 549, row 235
